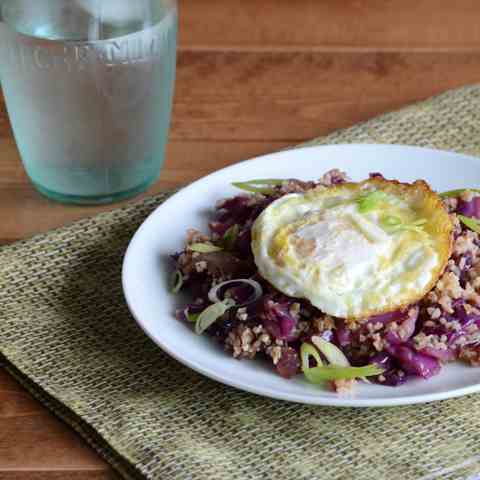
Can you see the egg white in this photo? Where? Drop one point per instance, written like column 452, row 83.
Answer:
column 320, row 246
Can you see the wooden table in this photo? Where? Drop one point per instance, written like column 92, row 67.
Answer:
column 253, row 76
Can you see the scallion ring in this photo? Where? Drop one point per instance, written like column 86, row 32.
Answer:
column 230, row 237
column 321, row 374
column 390, row 221
column 420, row 222
column 370, row 200
column 177, row 281
column 394, row 224
column 265, row 186
column 192, row 317
column 211, row 314
column 332, row 353
column 204, row 248
column 257, row 290
column 307, row 351
column 471, row 223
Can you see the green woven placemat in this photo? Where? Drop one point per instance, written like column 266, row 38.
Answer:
column 67, row 335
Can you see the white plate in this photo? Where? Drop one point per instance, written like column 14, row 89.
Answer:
column 147, row 268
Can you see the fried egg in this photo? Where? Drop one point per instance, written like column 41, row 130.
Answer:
column 357, row 249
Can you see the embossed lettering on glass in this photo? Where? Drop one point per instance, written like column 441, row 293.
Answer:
column 88, row 86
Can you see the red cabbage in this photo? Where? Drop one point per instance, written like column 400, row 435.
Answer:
column 385, row 318
column 244, row 241
column 406, row 323
column 343, row 334
column 462, row 316
column 392, row 376
column 443, row 355
column 416, row 363
column 220, row 228
column 327, row 335
column 382, row 360
column 470, row 208
column 289, row 363
column 278, row 320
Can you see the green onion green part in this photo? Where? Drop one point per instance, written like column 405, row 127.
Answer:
column 264, row 186
column 321, row 374
column 458, row 192
column 339, row 369
column 192, row 317
column 412, row 228
column 369, row 201
column 211, row 314
column 307, row 351
column 390, row 221
column 204, row 248
column 177, row 281
column 394, row 224
column 416, row 226
column 419, row 222
column 230, row 237
column 471, row 223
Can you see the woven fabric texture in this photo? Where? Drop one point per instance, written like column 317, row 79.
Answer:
column 67, row 335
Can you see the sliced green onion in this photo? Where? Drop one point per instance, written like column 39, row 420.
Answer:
column 471, row 223
column 332, row 353
column 321, row 374
column 192, row 317
column 256, row 287
column 369, row 201
column 390, row 221
column 307, row 351
column 230, row 237
column 457, row 193
column 265, row 186
column 339, row 368
column 394, row 224
column 176, row 282
column 416, row 226
column 419, row 222
column 204, row 248
column 211, row 314
column 412, row 228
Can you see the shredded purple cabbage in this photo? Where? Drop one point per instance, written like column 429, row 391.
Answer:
column 343, row 334
column 415, row 363
column 289, row 364
column 470, row 208
column 278, row 320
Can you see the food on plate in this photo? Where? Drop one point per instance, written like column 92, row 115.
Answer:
column 338, row 280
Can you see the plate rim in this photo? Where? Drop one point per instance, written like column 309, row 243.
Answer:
column 338, row 401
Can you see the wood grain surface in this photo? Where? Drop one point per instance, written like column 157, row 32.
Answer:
column 253, row 77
